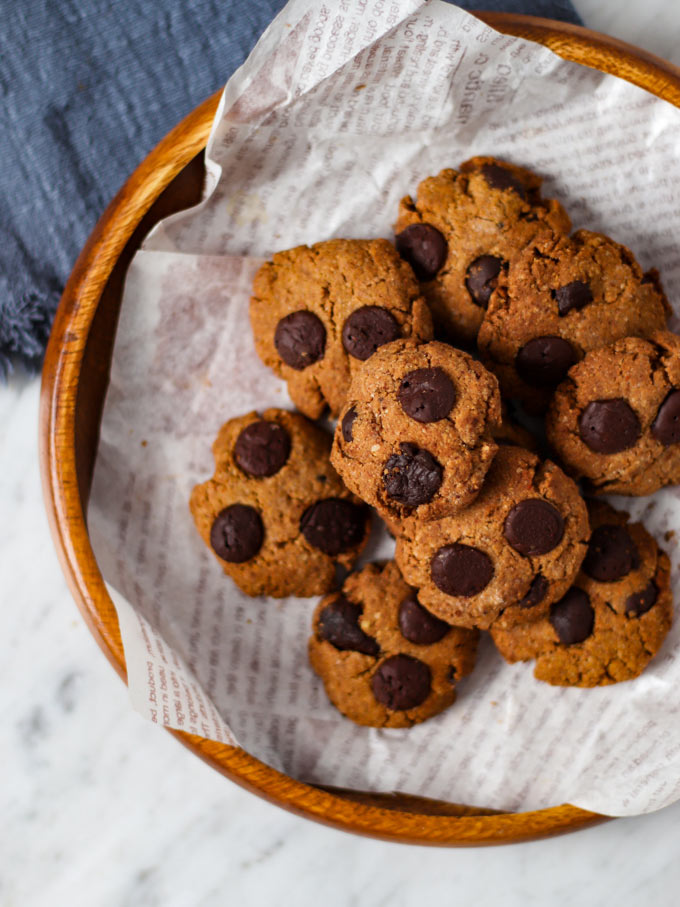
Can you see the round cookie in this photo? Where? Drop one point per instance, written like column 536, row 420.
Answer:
column 462, row 231
column 319, row 312
column 384, row 660
column 562, row 297
column 504, row 558
column 616, row 419
column 612, row 621
column 415, row 436
column 275, row 513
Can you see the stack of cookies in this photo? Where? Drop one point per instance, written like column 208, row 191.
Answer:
column 489, row 535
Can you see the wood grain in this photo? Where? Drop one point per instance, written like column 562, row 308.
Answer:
column 75, row 377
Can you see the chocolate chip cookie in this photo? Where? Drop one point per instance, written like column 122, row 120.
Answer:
column 275, row 512
column 384, row 660
column 415, row 436
column 319, row 312
column 462, row 231
column 562, row 297
column 616, row 419
column 612, row 621
column 504, row 558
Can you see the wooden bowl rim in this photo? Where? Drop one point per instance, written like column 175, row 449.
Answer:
column 58, row 469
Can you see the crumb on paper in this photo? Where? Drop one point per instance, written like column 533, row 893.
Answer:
column 360, row 86
column 669, row 535
column 144, row 443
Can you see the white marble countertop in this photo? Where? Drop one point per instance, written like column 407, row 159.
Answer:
column 100, row 808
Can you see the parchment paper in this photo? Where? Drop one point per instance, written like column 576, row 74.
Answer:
column 340, row 110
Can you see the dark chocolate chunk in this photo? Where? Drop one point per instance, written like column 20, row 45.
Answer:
column 368, row 328
column 461, row 570
column 572, row 617
column 640, row 602
column 334, row 525
column 402, row 683
column 611, row 554
column 534, row 527
column 499, row 178
column 536, row 593
column 339, row 625
column 418, row 625
column 262, row 448
column 609, row 426
column 482, row 278
column 237, row 533
column 427, row 394
column 412, row 477
column 574, row 295
column 666, row 426
column 424, row 248
column 300, row 339
column 545, row 360
column 347, row 424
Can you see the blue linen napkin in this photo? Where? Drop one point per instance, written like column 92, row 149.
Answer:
column 88, row 89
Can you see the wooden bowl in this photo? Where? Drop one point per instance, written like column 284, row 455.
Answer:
column 75, row 378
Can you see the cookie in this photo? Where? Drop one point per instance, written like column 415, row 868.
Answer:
column 384, row 660
column 616, row 418
column 562, row 297
column 415, row 436
column 612, row 621
column 319, row 312
column 504, row 558
column 462, row 231
column 275, row 513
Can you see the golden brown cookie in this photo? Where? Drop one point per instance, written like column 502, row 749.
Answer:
column 616, row 418
column 612, row 621
column 415, row 436
column 275, row 512
column 463, row 229
column 319, row 312
column 562, row 297
column 514, row 550
column 384, row 660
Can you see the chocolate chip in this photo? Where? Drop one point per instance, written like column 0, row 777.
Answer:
column 418, row 625
column 413, row 476
column 300, row 339
column 481, row 278
column 401, row 683
column 572, row 617
column 368, row 328
column 347, row 424
column 500, row 178
column 666, row 426
column 424, row 248
column 237, row 533
column 609, row 426
column 536, row 593
column 545, row 360
column 534, row 527
column 334, row 525
column 611, row 554
column 339, row 625
column 574, row 295
column 427, row 394
column 461, row 570
column 640, row 602
column 262, row 448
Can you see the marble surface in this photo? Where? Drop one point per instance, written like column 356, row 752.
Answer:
column 100, row 808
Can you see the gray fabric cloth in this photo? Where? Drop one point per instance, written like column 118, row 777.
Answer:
column 88, row 88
